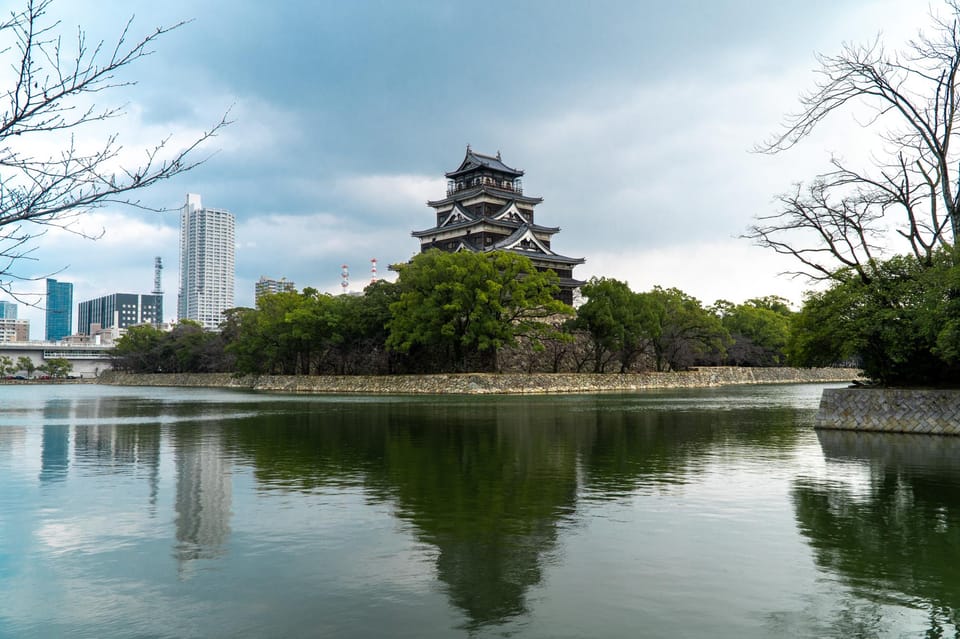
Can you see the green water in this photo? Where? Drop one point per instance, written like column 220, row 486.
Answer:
column 717, row 513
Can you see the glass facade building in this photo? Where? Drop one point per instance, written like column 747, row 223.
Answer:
column 121, row 310
column 59, row 316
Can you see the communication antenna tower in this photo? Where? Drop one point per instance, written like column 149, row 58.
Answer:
column 373, row 270
column 157, row 268
column 344, row 278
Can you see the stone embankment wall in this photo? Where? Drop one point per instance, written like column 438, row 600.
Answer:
column 891, row 410
column 489, row 383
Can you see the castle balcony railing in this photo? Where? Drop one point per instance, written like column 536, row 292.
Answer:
column 513, row 186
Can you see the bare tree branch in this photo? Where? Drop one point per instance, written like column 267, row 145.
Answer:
column 912, row 99
column 51, row 95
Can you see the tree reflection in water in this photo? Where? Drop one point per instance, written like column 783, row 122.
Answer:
column 491, row 484
column 893, row 539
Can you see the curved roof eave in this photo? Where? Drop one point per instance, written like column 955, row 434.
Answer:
column 470, row 192
column 550, row 230
column 473, row 161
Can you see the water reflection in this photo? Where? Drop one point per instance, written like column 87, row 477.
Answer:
column 12, row 438
column 55, row 452
column 111, row 448
column 624, row 451
column 491, row 485
column 449, row 511
column 109, row 438
column 203, row 496
column 886, row 520
column 487, row 487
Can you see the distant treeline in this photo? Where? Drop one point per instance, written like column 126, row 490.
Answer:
column 457, row 312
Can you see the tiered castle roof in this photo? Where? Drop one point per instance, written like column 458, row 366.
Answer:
column 485, row 210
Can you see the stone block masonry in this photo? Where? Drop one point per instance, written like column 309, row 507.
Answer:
column 891, row 410
column 489, row 383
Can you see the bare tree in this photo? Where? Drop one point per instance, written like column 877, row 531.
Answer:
column 912, row 99
column 52, row 96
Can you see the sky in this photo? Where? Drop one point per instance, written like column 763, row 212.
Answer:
column 634, row 120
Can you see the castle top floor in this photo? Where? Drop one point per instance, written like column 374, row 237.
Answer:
column 479, row 170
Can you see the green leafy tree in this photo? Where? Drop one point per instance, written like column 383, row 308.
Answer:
column 57, row 367
column 617, row 321
column 140, row 350
column 315, row 328
column 680, row 328
column 7, row 367
column 263, row 340
column 187, row 348
column 26, row 365
column 289, row 333
column 901, row 327
column 759, row 330
column 470, row 304
column 363, row 329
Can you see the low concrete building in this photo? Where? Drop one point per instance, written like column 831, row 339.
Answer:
column 88, row 360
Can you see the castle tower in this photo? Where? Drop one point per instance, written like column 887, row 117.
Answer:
column 486, row 210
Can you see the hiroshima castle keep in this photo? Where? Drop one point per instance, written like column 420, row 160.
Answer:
column 485, row 210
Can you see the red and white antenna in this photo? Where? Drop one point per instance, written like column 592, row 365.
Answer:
column 344, row 278
column 373, row 270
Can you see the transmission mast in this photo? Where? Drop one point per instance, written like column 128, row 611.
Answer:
column 344, row 278
column 373, row 270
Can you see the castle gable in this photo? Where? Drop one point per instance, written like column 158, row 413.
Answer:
column 511, row 213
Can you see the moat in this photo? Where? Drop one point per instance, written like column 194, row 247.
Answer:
column 182, row 512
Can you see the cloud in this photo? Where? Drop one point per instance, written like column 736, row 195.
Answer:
column 385, row 193
column 310, row 250
column 709, row 271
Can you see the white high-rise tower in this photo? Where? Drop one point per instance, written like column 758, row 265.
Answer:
column 207, row 249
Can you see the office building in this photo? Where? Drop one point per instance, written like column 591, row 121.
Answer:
column 207, row 253
column 8, row 310
column 267, row 286
column 59, row 317
column 120, row 310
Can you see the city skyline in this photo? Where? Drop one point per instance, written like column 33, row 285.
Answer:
column 634, row 123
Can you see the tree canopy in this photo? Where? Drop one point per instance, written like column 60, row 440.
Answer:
column 467, row 312
column 670, row 327
column 903, row 327
column 470, row 304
